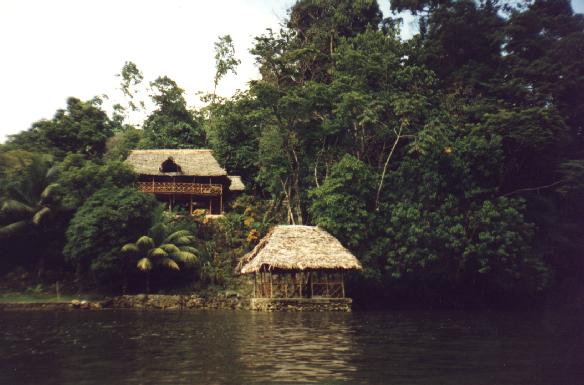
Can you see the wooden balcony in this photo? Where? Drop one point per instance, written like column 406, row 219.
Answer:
column 181, row 188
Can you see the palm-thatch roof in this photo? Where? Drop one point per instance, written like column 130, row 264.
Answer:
column 199, row 162
column 298, row 248
column 236, row 183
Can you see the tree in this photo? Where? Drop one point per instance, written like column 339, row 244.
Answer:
column 171, row 125
column 225, row 60
column 81, row 128
column 30, row 205
column 79, row 179
column 344, row 203
column 162, row 250
column 106, row 221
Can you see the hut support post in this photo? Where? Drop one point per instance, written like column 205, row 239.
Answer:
column 221, row 199
column 271, row 286
column 191, row 205
column 311, row 278
column 286, row 285
column 343, row 283
column 254, row 285
column 300, row 283
column 327, row 285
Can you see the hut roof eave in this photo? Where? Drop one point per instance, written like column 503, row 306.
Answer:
column 298, row 248
column 193, row 162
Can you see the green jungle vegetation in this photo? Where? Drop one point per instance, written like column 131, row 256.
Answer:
column 451, row 163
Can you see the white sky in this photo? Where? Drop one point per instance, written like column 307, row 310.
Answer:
column 53, row 49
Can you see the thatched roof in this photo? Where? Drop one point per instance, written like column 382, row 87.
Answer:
column 298, row 248
column 236, row 183
column 198, row 162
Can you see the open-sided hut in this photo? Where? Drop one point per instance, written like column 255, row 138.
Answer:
column 298, row 262
column 186, row 179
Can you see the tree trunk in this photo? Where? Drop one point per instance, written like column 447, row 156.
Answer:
column 398, row 137
column 147, row 283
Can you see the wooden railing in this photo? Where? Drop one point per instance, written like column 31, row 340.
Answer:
column 299, row 290
column 180, row 188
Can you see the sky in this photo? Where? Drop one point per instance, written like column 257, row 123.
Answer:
column 50, row 50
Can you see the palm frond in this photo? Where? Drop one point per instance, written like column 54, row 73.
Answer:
column 190, row 249
column 176, row 235
column 185, row 240
column 49, row 191
column 145, row 242
column 186, row 257
column 13, row 229
column 40, row 215
column 171, row 264
column 144, row 264
column 170, row 248
column 157, row 252
column 20, row 194
column 53, row 173
column 130, row 248
column 16, row 209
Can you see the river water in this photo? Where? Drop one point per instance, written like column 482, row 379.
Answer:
column 238, row 347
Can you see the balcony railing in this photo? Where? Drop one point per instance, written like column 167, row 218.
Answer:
column 180, row 188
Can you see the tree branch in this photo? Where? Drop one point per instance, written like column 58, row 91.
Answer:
column 533, row 188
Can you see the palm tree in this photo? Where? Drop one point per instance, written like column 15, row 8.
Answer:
column 168, row 252
column 30, row 202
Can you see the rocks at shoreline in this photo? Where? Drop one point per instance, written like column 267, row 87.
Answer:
column 157, row 301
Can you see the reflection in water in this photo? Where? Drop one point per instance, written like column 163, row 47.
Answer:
column 215, row 347
column 298, row 346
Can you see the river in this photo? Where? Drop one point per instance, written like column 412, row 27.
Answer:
column 239, row 347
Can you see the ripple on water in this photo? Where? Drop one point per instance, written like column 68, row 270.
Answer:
column 216, row 347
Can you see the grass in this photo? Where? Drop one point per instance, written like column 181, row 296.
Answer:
column 38, row 298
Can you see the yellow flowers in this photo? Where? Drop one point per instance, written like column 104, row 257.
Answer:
column 253, row 235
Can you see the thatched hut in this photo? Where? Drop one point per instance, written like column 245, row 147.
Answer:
column 298, row 262
column 186, row 179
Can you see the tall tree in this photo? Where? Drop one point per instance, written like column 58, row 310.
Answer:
column 171, row 125
column 83, row 127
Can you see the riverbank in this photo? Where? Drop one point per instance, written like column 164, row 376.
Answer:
column 138, row 302
column 186, row 302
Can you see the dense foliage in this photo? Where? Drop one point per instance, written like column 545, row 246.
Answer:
column 451, row 164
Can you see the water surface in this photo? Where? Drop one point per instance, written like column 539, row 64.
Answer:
column 227, row 347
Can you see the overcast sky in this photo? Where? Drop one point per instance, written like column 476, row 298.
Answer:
column 53, row 49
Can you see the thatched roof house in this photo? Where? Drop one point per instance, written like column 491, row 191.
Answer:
column 298, row 248
column 188, row 180
column 198, row 162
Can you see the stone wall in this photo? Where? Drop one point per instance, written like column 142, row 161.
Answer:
column 156, row 301
column 301, row 304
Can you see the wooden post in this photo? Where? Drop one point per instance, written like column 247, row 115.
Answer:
column 343, row 283
column 254, row 285
column 286, row 286
column 221, row 198
column 311, row 278
column 271, row 287
column 153, row 185
column 210, row 205
column 300, row 283
column 327, row 285
column 191, row 206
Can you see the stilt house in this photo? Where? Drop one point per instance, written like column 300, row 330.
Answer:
column 187, row 180
column 298, row 262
